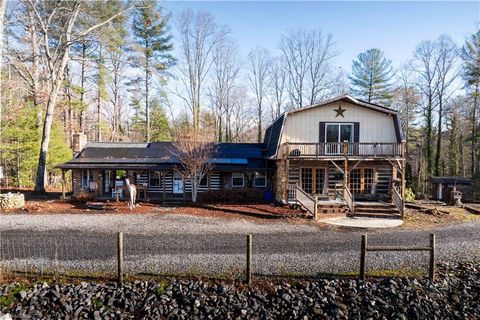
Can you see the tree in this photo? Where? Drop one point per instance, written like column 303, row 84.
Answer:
column 259, row 64
column 150, row 30
column 56, row 21
column 453, row 146
column 446, row 56
column 199, row 35
column 278, row 82
column 371, row 77
column 224, row 73
column 425, row 67
column 308, row 54
column 194, row 148
column 470, row 54
column 161, row 127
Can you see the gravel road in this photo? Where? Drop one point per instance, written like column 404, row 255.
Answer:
column 166, row 243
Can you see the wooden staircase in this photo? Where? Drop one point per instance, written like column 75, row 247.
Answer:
column 382, row 210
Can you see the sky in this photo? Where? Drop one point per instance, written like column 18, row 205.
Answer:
column 394, row 27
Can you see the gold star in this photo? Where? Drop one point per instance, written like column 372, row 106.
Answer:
column 339, row 112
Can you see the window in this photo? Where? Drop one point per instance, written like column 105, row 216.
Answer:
column 319, row 180
column 238, row 179
column 87, row 177
column 355, row 181
column 335, row 134
column 154, row 179
column 307, row 180
column 204, row 182
column 260, row 179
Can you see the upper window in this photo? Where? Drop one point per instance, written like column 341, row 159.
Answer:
column 339, row 132
column 260, row 179
column 238, row 179
column 154, row 179
column 204, row 182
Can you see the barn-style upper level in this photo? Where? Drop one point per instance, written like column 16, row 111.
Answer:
column 339, row 127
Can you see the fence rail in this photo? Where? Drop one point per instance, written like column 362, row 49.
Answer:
column 365, row 248
column 355, row 149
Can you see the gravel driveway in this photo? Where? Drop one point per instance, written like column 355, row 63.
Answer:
column 166, row 243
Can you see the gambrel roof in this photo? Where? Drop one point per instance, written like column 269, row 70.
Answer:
column 273, row 133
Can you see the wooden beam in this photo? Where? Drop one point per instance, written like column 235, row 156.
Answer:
column 63, row 184
column 337, row 166
column 355, row 166
column 345, row 168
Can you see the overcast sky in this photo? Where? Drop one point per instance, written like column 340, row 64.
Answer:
column 394, row 27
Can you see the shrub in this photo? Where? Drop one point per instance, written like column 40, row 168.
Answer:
column 409, row 195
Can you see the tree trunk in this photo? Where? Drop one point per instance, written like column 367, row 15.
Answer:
column 147, row 99
column 429, row 150
column 81, row 120
column 439, row 138
column 474, row 131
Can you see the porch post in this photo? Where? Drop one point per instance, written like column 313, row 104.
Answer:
column 287, row 169
column 63, row 183
column 404, row 167
column 345, row 168
column 164, row 182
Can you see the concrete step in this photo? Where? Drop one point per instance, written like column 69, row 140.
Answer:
column 376, row 210
column 375, row 215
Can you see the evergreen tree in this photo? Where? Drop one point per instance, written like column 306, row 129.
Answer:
column 160, row 125
column 471, row 74
column 154, row 43
column 454, row 147
column 371, row 76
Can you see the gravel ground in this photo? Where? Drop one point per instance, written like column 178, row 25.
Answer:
column 163, row 243
column 454, row 295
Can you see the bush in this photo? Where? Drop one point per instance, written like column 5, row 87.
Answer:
column 241, row 195
column 409, row 195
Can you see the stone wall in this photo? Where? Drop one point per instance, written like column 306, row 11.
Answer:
column 280, row 181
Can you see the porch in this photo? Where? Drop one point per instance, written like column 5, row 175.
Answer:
column 340, row 150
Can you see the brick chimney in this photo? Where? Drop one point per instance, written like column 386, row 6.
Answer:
column 79, row 141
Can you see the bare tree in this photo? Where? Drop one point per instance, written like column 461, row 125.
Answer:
column 194, row 149
column 56, row 21
column 278, row 83
column 259, row 64
column 199, row 34
column 307, row 55
column 224, row 74
column 446, row 58
column 425, row 67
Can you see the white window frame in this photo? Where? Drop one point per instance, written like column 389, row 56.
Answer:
column 255, row 179
column 243, row 180
column 339, row 148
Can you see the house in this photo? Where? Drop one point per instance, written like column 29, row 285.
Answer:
column 303, row 160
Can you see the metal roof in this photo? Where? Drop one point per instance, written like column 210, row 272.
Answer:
column 451, row 180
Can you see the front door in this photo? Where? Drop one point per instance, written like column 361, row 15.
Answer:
column 177, row 183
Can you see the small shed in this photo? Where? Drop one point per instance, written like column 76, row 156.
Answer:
column 443, row 185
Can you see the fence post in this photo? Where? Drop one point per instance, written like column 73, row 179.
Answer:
column 431, row 271
column 315, row 208
column 363, row 257
column 120, row 256
column 249, row 259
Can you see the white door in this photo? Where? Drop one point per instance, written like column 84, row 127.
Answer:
column 177, row 183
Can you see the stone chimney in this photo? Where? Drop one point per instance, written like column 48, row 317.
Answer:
column 79, row 141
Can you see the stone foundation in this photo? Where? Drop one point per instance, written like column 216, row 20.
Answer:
column 280, row 181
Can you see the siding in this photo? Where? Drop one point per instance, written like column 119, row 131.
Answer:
column 304, row 126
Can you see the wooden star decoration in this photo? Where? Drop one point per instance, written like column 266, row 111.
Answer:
column 339, row 111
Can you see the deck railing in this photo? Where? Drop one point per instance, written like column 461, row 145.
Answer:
column 354, row 149
column 397, row 200
column 349, row 199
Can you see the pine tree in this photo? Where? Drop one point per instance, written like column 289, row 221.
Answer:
column 454, row 147
column 154, row 43
column 371, row 76
column 471, row 75
column 161, row 127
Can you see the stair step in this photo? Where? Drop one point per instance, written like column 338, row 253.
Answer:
column 376, row 210
column 375, row 215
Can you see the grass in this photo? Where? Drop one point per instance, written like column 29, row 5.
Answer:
column 418, row 219
column 389, row 273
column 7, row 300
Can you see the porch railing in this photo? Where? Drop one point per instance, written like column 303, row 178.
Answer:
column 356, row 149
column 302, row 198
column 397, row 200
column 349, row 199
